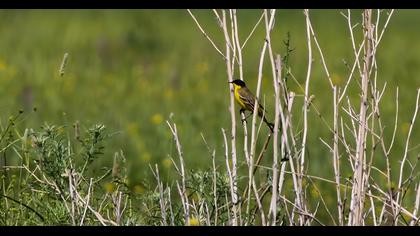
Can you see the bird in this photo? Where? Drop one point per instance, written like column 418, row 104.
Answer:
column 246, row 100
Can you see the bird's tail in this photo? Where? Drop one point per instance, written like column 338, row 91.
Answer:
column 269, row 124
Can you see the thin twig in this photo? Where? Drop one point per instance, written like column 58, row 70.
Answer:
column 206, row 35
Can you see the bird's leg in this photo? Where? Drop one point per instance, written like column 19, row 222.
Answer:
column 247, row 117
column 240, row 114
column 243, row 111
column 286, row 157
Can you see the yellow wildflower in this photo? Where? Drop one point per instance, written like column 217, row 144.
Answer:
column 109, row 187
column 168, row 93
column 194, row 221
column 138, row 189
column 405, row 127
column 2, row 65
column 156, row 119
column 167, row 163
column 336, row 79
column 146, row 157
column 132, row 129
column 202, row 67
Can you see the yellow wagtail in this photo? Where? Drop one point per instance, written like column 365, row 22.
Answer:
column 246, row 100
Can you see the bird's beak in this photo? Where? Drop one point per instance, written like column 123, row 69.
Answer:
column 230, row 82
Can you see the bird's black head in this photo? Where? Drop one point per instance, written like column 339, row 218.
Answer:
column 238, row 82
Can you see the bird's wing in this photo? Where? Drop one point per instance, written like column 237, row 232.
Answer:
column 247, row 97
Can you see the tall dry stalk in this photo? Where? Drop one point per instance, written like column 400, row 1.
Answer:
column 181, row 189
column 359, row 179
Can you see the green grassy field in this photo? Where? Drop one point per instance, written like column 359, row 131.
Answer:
column 132, row 70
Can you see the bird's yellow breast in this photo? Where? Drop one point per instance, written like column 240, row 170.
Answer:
column 237, row 98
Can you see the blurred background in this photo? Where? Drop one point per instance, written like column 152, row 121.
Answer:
column 134, row 69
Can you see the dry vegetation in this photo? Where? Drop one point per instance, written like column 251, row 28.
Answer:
column 55, row 188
